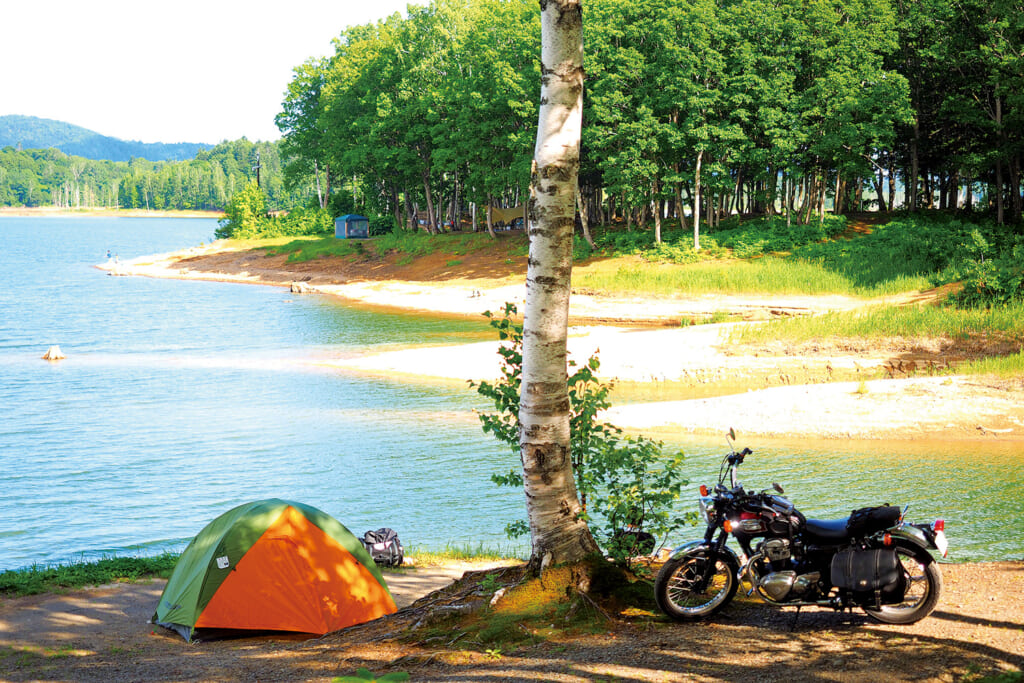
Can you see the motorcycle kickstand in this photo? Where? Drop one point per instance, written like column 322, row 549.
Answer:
column 796, row 617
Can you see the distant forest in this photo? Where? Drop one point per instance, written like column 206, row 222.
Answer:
column 49, row 177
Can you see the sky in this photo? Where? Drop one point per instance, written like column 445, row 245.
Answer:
column 181, row 71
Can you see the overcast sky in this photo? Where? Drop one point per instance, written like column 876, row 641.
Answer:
column 180, row 71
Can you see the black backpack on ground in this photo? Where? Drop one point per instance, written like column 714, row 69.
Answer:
column 384, row 547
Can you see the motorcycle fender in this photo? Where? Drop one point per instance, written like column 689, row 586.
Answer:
column 693, row 545
column 912, row 534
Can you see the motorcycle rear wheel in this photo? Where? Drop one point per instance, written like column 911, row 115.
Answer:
column 924, row 584
column 677, row 588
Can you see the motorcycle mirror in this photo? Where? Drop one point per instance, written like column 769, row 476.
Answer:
column 778, row 488
column 732, row 434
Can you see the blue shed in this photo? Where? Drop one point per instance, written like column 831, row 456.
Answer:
column 351, row 225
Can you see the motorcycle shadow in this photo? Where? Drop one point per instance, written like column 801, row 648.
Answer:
column 751, row 612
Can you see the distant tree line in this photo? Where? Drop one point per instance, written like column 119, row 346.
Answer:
column 207, row 182
column 694, row 109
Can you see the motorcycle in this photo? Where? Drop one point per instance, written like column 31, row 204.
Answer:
column 873, row 560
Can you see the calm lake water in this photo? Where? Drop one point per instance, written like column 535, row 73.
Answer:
column 179, row 400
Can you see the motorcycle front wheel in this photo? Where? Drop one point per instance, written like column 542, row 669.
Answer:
column 924, row 583
column 696, row 585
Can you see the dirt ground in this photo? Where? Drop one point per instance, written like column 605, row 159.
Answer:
column 692, row 379
column 102, row 635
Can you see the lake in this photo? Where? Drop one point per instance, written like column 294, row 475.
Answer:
column 179, row 400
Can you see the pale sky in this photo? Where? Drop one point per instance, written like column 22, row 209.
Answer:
column 179, row 71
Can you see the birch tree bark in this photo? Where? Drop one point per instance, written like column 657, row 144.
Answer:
column 552, row 502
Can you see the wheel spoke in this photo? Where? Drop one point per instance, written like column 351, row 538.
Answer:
column 683, row 593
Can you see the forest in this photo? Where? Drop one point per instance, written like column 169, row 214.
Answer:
column 51, row 178
column 694, row 110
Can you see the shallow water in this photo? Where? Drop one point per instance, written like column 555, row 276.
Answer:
column 179, row 400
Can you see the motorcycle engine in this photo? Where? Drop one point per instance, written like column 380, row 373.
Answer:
column 783, row 583
column 777, row 551
column 780, row 586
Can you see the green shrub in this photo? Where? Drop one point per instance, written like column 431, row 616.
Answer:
column 244, row 215
column 996, row 281
column 246, row 218
column 622, row 480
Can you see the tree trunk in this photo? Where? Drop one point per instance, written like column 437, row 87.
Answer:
column 679, row 205
column 1000, row 205
column 490, row 217
column 397, row 206
column 410, row 210
column 327, row 185
column 911, row 184
column 837, row 199
column 656, row 191
column 696, row 202
column 892, row 186
column 319, row 193
column 1018, row 201
column 431, row 217
column 584, row 219
column 557, row 534
column 877, row 180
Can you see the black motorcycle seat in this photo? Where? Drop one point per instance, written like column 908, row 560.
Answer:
column 827, row 530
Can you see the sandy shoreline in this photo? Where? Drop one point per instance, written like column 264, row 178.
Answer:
column 760, row 394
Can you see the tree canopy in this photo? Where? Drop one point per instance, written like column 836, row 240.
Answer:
column 693, row 110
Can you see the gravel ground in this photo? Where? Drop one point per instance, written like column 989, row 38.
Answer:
column 102, row 635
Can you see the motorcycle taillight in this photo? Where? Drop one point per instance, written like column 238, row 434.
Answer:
column 939, row 525
column 703, row 489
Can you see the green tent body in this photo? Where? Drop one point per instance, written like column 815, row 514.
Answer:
column 273, row 565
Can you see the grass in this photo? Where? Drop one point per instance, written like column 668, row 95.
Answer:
column 768, row 275
column 880, row 322
column 47, row 579
column 57, row 578
column 1002, row 366
column 408, row 244
column 455, row 553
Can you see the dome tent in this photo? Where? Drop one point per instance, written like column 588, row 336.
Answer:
column 273, row 565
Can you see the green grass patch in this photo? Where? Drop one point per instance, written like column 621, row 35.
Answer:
column 891, row 321
column 770, row 257
column 408, row 244
column 455, row 553
column 302, row 249
column 769, row 275
column 38, row 579
column 1002, row 366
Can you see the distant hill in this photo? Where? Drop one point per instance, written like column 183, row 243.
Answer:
column 30, row 132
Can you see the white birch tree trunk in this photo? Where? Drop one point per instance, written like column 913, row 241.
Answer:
column 552, row 502
column 696, row 201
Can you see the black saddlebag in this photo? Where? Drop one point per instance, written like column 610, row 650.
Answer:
column 866, row 521
column 873, row 575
